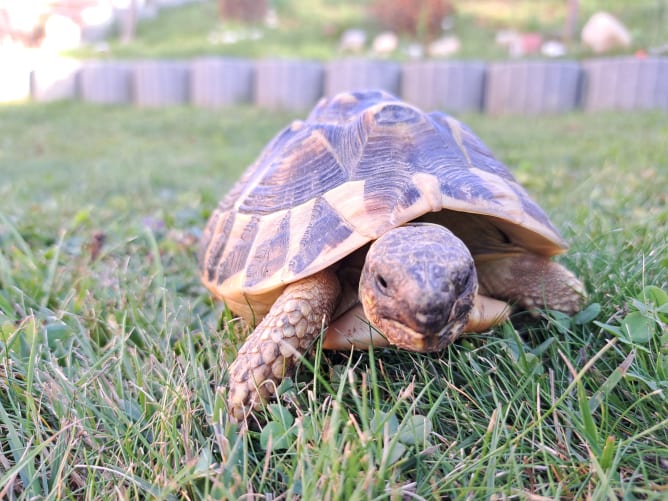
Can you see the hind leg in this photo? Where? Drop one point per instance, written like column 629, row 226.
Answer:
column 531, row 282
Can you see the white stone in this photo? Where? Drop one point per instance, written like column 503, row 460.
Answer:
column 271, row 18
column 552, row 48
column 352, row 40
column 445, row 47
column 230, row 37
column 604, row 32
column 659, row 50
column 525, row 43
column 415, row 51
column 385, row 43
column 506, row 38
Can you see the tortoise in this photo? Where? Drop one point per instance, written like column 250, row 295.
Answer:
column 371, row 210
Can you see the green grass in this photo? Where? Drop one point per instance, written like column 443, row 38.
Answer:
column 110, row 354
column 311, row 29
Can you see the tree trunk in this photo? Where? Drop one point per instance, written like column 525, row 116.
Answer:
column 129, row 23
column 571, row 24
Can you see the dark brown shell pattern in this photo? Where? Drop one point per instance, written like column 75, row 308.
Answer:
column 361, row 164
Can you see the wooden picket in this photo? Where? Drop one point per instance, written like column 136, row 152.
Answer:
column 518, row 87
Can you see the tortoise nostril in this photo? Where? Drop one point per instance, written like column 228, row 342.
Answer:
column 431, row 321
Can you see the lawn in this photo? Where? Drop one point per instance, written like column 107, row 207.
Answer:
column 111, row 350
column 311, row 29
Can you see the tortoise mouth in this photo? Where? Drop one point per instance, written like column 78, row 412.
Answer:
column 402, row 336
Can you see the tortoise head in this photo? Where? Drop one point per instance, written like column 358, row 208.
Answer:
column 417, row 286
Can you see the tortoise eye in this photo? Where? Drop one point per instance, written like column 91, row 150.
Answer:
column 381, row 283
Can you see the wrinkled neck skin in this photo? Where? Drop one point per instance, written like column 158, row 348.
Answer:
column 418, row 285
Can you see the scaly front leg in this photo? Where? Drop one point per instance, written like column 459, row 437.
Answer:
column 273, row 349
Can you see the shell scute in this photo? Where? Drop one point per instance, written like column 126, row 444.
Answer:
column 234, row 260
column 270, row 253
column 220, row 226
column 306, row 171
column 326, row 229
column 464, row 185
column 346, row 106
column 393, row 114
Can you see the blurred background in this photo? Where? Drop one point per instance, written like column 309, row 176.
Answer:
column 287, row 53
column 325, row 29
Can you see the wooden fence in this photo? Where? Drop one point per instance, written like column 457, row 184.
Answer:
column 518, row 87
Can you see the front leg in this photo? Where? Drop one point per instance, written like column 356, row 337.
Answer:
column 273, row 349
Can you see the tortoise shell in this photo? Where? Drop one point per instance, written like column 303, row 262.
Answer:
column 361, row 164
